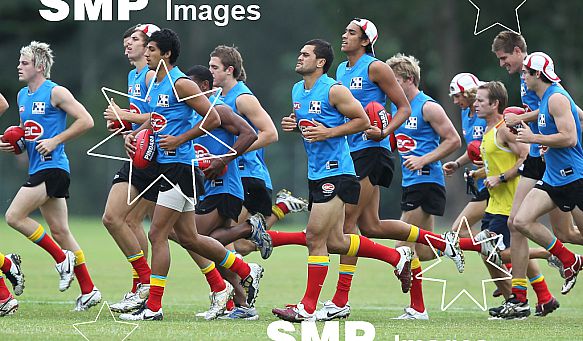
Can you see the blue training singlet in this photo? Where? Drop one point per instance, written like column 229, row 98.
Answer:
column 330, row 157
column 530, row 102
column 365, row 91
column 251, row 164
column 563, row 165
column 416, row 137
column 137, row 87
column 473, row 128
column 230, row 182
column 170, row 117
column 42, row 121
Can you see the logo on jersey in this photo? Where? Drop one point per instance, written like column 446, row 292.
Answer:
column 158, row 122
column 32, row 130
column 356, row 83
column 315, row 107
column 163, row 101
column 405, row 144
column 411, row 123
column 328, row 188
column 21, row 109
column 137, row 90
column 478, row 132
column 542, row 121
column 38, row 108
column 522, row 90
column 130, row 89
column 134, row 109
column 303, row 124
column 297, row 106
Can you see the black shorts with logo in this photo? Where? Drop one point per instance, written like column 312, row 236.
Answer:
column 346, row 187
column 482, row 195
column 181, row 174
column 376, row 164
column 228, row 206
column 141, row 179
column 533, row 167
column 430, row 196
column 497, row 223
column 56, row 181
column 257, row 196
column 566, row 197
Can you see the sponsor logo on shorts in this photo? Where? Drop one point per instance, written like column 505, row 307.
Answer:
column 158, row 122
column 405, row 144
column 328, row 188
column 38, row 108
column 33, row 130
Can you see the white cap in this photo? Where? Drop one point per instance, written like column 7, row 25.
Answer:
column 148, row 29
column 462, row 82
column 540, row 61
column 369, row 29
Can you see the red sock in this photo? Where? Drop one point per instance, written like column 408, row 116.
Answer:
column 317, row 271
column 287, row 238
column 47, row 243
column 215, row 280
column 467, row 244
column 155, row 300
column 416, row 292
column 558, row 249
column 519, row 293
column 241, row 268
column 143, row 269
column 4, row 293
column 283, row 207
column 230, row 305
column 539, row 285
column 135, row 282
column 81, row 273
column 7, row 264
column 342, row 289
column 369, row 249
column 437, row 241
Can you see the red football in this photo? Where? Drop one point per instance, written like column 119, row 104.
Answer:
column 474, row 151
column 145, row 149
column 203, row 153
column 517, row 111
column 15, row 136
column 126, row 125
column 378, row 117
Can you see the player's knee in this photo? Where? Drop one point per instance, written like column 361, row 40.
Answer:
column 520, row 223
column 110, row 221
column 60, row 234
column 155, row 235
column 12, row 218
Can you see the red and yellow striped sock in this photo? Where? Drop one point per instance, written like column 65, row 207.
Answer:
column 416, row 292
column 345, row 274
column 214, row 278
column 140, row 265
column 563, row 254
column 82, row 273
column 42, row 239
column 157, row 285
column 317, row 271
column 4, row 292
column 236, row 265
column 519, row 288
column 539, row 285
column 135, row 281
column 5, row 263
column 363, row 247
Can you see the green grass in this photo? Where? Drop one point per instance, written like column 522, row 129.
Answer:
column 45, row 313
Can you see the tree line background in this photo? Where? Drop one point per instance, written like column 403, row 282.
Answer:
column 89, row 55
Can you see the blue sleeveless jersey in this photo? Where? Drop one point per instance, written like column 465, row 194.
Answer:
column 416, row 137
column 530, row 102
column 365, row 91
column 564, row 165
column 332, row 156
column 42, row 121
column 473, row 129
column 230, row 182
column 251, row 164
column 137, row 87
column 170, row 117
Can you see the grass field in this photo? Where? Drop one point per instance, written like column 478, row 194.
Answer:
column 46, row 314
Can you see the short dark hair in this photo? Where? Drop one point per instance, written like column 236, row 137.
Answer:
column 201, row 73
column 322, row 49
column 129, row 31
column 167, row 40
column 496, row 92
column 506, row 41
column 543, row 77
